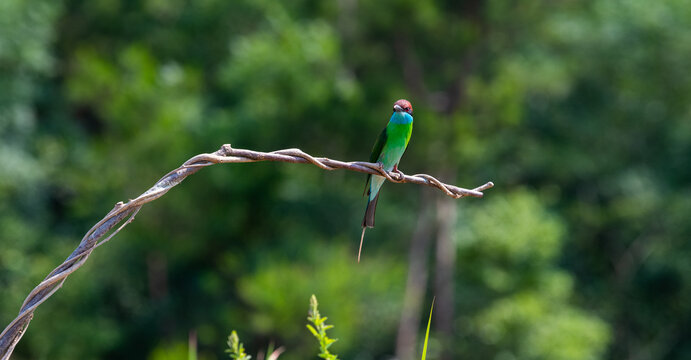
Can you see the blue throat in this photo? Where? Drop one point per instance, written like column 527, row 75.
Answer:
column 401, row 118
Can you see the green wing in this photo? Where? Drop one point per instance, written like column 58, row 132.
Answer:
column 374, row 156
column 378, row 146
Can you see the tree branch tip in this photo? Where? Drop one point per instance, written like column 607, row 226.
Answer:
column 488, row 185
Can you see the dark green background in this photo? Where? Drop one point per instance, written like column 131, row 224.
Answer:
column 579, row 112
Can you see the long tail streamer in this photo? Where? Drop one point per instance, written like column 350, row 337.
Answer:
column 361, row 239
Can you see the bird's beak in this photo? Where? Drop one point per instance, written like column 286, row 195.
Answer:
column 397, row 108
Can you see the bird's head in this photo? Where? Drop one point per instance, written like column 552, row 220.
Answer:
column 403, row 105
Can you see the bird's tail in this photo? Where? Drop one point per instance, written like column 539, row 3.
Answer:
column 368, row 220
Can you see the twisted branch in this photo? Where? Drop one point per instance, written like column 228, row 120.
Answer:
column 96, row 236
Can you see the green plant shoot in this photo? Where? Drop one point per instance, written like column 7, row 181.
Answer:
column 319, row 330
column 235, row 348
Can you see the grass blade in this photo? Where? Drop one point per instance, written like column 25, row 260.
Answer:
column 429, row 322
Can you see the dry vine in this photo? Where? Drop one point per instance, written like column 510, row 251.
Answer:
column 96, row 236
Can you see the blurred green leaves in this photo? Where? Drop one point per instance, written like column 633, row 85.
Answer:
column 25, row 59
column 531, row 325
column 578, row 111
column 138, row 95
column 513, row 231
column 508, row 248
column 278, row 292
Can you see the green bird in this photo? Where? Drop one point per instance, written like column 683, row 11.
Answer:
column 387, row 151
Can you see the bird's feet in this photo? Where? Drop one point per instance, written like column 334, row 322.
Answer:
column 398, row 172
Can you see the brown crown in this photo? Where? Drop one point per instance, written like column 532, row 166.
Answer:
column 405, row 104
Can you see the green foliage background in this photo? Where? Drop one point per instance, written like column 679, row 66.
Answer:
column 579, row 111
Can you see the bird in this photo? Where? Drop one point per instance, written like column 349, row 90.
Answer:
column 387, row 151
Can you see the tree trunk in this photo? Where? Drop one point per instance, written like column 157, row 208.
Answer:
column 416, row 284
column 444, row 280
